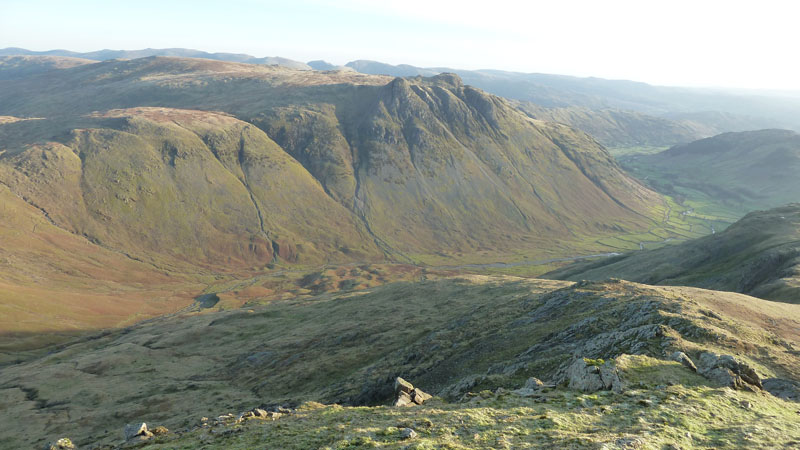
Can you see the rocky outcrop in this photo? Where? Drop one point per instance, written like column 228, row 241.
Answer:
column 407, row 395
column 729, row 371
column 593, row 375
column 782, row 388
column 683, row 359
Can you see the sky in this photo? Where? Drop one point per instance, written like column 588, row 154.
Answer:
column 710, row 43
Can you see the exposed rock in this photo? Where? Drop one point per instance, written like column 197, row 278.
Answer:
column 137, row 431
column 408, row 433
column 532, row 387
column 260, row 413
column 403, row 399
column 401, row 385
column 419, row 397
column 589, row 377
column 746, row 404
column 534, row 383
column 728, row 371
column 684, row 359
column 782, row 388
column 407, row 395
column 61, row 444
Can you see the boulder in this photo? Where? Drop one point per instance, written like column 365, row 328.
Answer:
column 533, row 383
column 407, row 395
column 533, row 387
column 729, row 371
column 403, row 399
column 258, row 412
column 684, row 359
column 61, row 444
column 401, row 385
column 137, row 431
column 591, row 376
column 408, row 433
column 420, row 397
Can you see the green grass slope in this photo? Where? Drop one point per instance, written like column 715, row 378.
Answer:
column 734, row 172
column 449, row 336
column 759, row 255
column 186, row 189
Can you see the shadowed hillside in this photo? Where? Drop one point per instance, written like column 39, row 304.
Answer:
column 451, row 337
column 741, row 172
column 758, row 255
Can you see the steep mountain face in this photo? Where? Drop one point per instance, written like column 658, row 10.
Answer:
column 758, row 255
column 347, row 167
column 450, row 336
column 744, row 171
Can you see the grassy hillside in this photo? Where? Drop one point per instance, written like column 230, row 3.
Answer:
column 432, row 170
column 18, row 67
column 727, row 175
column 450, row 337
column 758, row 255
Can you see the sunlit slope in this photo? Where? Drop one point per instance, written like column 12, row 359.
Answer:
column 348, row 167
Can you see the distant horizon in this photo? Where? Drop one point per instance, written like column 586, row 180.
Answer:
column 711, row 44
column 792, row 92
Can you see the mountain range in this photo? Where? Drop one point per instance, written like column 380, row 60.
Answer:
column 220, row 251
column 651, row 116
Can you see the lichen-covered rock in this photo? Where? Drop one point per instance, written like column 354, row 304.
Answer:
column 401, row 385
column 137, row 431
column 419, row 397
column 684, row 359
column 590, row 376
column 61, row 444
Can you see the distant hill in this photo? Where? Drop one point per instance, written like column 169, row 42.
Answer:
column 741, row 171
column 324, row 65
column 103, row 55
column 14, row 67
column 758, row 255
column 616, row 128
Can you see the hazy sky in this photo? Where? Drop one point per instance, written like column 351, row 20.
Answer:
column 676, row 42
